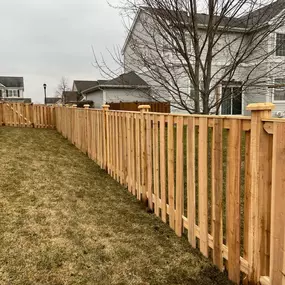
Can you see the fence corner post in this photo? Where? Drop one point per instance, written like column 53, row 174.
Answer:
column 143, row 109
column 260, row 193
column 105, row 136
column 1, row 114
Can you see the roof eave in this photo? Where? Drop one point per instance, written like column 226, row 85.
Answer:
column 131, row 30
column 101, row 87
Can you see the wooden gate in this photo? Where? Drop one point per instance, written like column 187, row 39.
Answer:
column 16, row 115
column 26, row 115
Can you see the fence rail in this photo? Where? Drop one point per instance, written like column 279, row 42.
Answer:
column 217, row 179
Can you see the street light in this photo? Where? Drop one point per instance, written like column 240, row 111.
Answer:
column 45, row 92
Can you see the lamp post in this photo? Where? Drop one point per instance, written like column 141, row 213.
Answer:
column 45, row 92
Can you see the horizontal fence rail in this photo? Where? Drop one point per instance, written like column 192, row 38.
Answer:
column 217, row 179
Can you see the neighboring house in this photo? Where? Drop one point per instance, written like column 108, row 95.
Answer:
column 70, row 96
column 127, row 87
column 240, row 97
column 12, row 89
column 53, row 100
column 80, row 85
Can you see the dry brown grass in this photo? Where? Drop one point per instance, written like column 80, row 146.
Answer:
column 65, row 221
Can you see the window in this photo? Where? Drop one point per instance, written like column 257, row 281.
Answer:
column 232, row 100
column 279, row 89
column 280, row 44
column 13, row 93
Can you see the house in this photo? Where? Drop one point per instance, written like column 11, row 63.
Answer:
column 71, row 96
column 80, row 85
column 128, row 87
column 12, row 89
column 52, row 100
column 270, row 86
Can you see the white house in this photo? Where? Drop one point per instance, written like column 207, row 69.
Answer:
column 270, row 86
column 11, row 88
column 127, row 87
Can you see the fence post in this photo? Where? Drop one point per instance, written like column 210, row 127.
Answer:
column 87, row 128
column 260, row 193
column 105, row 136
column 74, row 123
column 143, row 109
column 1, row 114
column 277, row 254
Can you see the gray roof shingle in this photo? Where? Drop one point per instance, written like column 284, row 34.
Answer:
column 264, row 14
column 125, row 80
column 256, row 17
column 52, row 100
column 9, row 81
column 84, row 84
column 70, row 96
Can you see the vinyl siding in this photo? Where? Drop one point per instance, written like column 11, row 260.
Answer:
column 126, row 95
column 97, row 98
column 259, row 74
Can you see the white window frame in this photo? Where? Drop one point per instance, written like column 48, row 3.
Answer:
column 13, row 92
column 273, row 93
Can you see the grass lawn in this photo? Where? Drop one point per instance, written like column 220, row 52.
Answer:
column 63, row 220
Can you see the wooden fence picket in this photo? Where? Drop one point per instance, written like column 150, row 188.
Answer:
column 170, row 171
column 162, row 167
column 233, row 200
column 156, row 166
column 203, row 184
column 217, row 192
column 179, row 200
column 191, row 185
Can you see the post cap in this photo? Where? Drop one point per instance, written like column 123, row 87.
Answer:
column 260, row 107
column 74, row 106
column 140, row 107
column 86, row 106
column 106, row 107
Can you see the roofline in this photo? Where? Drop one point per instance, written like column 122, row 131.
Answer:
column 99, row 87
column 202, row 26
column 273, row 19
column 131, row 30
column 73, row 84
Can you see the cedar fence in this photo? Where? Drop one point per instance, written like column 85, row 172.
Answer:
column 220, row 180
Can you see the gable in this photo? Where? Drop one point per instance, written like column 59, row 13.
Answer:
column 81, row 85
column 136, row 20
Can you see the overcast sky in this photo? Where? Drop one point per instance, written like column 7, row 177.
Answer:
column 43, row 40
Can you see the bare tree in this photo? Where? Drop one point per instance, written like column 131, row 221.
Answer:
column 191, row 51
column 62, row 86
